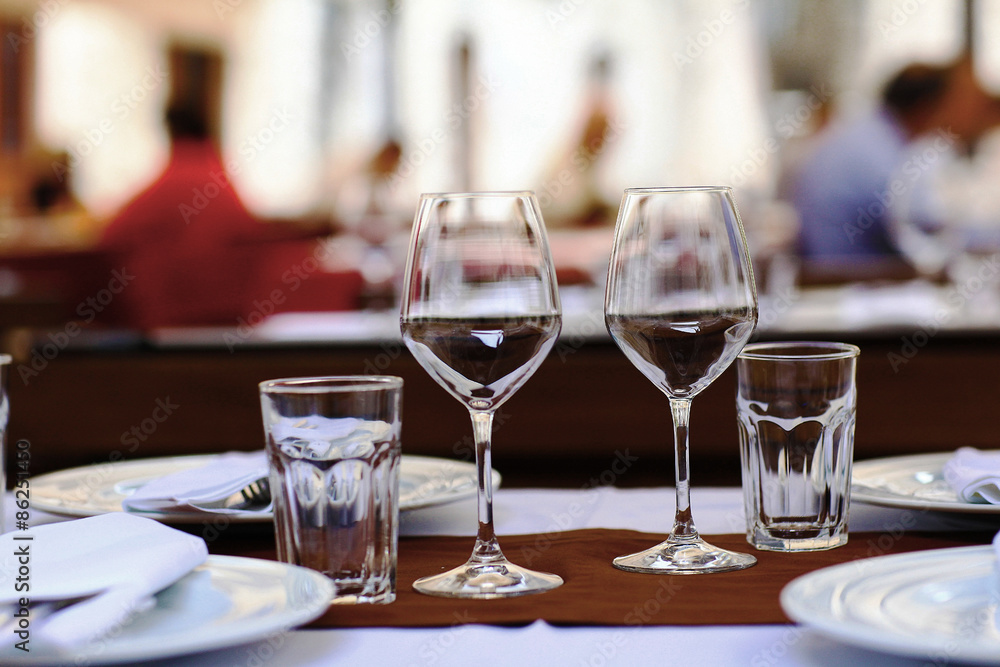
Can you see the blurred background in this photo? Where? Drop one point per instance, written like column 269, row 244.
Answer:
column 217, row 163
column 332, row 116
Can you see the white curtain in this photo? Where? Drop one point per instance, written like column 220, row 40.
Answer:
column 688, row 91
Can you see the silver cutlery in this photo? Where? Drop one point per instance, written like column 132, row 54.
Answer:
column 254, row 497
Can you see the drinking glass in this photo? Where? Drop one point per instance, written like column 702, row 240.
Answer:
column 680, row 303
column 333, row 449
column 480, row 310
column 796, row 405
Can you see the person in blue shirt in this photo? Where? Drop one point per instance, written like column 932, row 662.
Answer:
column 845, row 190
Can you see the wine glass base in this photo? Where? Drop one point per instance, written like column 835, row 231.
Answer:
column 484, row 581
column 675, row 556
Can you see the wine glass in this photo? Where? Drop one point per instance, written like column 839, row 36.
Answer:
column 480, row 311
column 681, row 304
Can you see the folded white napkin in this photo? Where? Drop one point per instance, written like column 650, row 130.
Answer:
column 120, row 559
column 311, row 437
column 325, row 438
column 974, row 475
column 225, row 475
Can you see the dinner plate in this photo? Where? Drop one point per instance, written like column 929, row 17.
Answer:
column 225, row 602
column 910, row 482
column 938, row 605
column 424, row 481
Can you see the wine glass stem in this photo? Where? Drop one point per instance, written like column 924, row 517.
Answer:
column 680, row 411
column 487, row 548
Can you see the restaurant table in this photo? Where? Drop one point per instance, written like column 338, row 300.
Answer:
column 550, row 515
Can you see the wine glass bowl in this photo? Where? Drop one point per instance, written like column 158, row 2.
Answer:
column 480, row 311
column 680, row 302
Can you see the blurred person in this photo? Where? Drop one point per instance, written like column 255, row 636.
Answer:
column 570, row 194
column 845, row 189
column 51, row 192
column 187, row 240
column 370, row 214
column 50, row 214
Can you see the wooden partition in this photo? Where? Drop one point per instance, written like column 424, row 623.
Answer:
column 586, row 417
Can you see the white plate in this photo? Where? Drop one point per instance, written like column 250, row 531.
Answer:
column 227, row 601
column 910, row 482
column 938, row 605
column 424, row 481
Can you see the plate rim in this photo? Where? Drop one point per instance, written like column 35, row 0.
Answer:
column 873, row 496
column 115, row 650
column 880, row 638
column 184, row 518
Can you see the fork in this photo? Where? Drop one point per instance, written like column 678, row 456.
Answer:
column 254, row 497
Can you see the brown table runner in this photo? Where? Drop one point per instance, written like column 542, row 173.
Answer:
column 596, row 593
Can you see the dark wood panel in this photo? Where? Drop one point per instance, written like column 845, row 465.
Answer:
column 585, row 408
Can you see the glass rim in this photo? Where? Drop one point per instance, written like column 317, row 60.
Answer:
column 323, row 384
column 478, row 193
column 824, row 351
column 678, row 188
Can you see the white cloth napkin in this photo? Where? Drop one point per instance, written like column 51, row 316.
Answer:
column 311, row 437
column 325, row 438
column 120, row 559
column 218, row 479
column 974, row 475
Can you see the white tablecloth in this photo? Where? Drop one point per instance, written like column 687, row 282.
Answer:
column 544, row 511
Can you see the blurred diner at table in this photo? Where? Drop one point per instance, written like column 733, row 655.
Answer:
column 185, row 240
column 860, row 169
